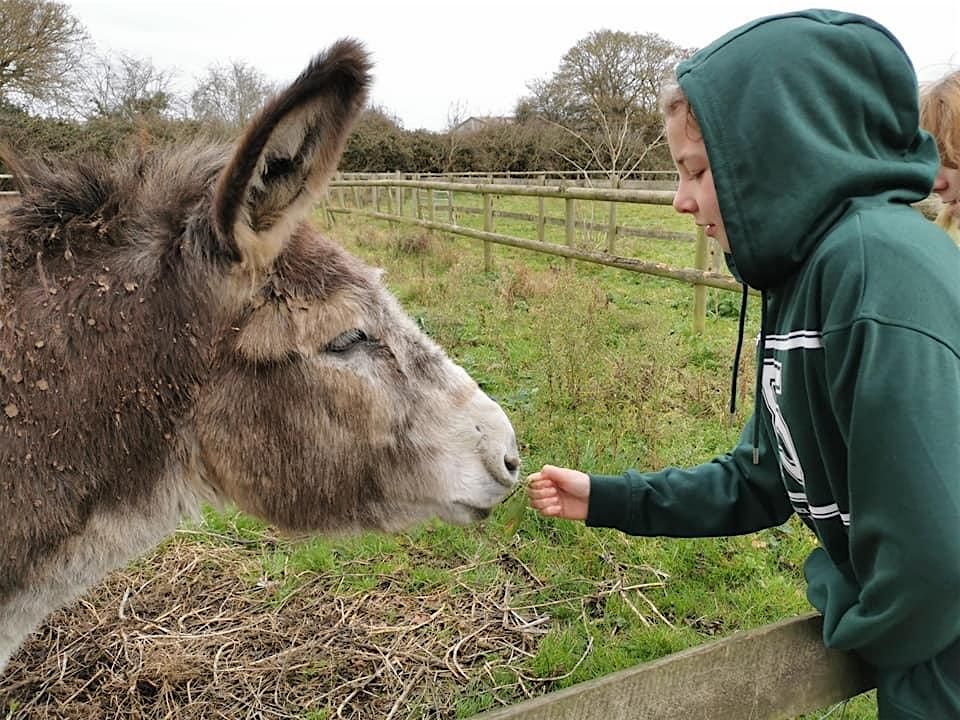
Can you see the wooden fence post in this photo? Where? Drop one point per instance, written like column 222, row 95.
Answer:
column 415, row 199
column 700, row 291
column 612, row 229
column 571, row 225
column 327, row 215
column 541, row 213
column 488, row 227
column 399, row 196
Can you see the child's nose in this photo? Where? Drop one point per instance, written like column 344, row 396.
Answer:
column 683, row 202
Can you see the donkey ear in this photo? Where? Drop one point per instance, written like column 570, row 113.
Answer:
column 288, row 153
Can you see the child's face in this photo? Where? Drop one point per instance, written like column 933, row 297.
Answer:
column 947, row 186
column 696, row 194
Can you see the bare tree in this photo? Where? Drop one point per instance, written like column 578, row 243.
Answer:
column 612, row 147
column 41, row 44
column 125, row 87
column 605, row 94
column 453, row 140
column 230, row 94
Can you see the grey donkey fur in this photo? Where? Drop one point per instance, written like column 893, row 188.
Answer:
column 173, row 332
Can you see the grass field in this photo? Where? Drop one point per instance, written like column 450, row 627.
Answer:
column 598, row 369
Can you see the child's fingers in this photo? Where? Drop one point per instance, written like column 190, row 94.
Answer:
column 540, row 484
column 548, row 507
column 542, row 489
column 549, row 511
column 542, row 499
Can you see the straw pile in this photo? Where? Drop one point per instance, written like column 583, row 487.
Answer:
column 187, row 634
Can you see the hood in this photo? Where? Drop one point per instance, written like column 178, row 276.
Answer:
column 804, row 115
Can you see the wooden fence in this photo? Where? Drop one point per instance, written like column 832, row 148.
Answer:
column 772, row 673
column 404, row 200
column 636, row 180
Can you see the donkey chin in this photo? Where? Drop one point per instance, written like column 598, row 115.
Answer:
column 478, row 466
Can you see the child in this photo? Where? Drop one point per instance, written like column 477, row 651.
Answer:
column 811, row 117
column 940, row 116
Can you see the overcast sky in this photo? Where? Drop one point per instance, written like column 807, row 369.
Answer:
column 434, row 59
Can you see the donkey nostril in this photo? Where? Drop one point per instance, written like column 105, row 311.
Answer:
column 512, row 463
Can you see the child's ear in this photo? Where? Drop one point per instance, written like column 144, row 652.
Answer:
column 287, row 155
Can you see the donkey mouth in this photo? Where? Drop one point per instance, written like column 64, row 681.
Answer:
column 465, row 514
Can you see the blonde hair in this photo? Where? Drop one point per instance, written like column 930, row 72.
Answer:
column 940, row 116
column 672, row 100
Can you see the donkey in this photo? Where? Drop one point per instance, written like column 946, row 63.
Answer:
column 174, row 332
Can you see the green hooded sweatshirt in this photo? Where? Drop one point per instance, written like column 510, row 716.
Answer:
column 810, row 123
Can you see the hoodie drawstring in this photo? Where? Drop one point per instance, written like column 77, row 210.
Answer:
column 736, row 355
column 757, row 397
column 758, row 388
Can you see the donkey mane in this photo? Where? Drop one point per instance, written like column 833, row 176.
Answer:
column 87, row 367
column 82, row 208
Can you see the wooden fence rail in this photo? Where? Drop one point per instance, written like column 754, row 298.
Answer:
column 584, row 225
column 650, row 197
column 395, row 190
column 694, row 277
column 7, row 187
column 592, row 178
column 771, row 673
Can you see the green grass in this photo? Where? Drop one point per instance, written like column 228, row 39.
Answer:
column 628, row 215
column 598, row 369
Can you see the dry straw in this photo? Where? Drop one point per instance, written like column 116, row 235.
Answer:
column 187, row 634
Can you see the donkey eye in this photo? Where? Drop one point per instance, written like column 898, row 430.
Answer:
column 346, row 340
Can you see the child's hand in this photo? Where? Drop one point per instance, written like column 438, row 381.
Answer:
column 559, row 492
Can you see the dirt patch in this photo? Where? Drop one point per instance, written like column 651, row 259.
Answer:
column 190, row 633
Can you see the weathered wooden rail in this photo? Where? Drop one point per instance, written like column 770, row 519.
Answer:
column 583, row 225
column 394, row 193
column 390, row 189
column 590, row 178
column 771, row 673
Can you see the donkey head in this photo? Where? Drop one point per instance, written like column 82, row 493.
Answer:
column 327, row 407
column 173, row 320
